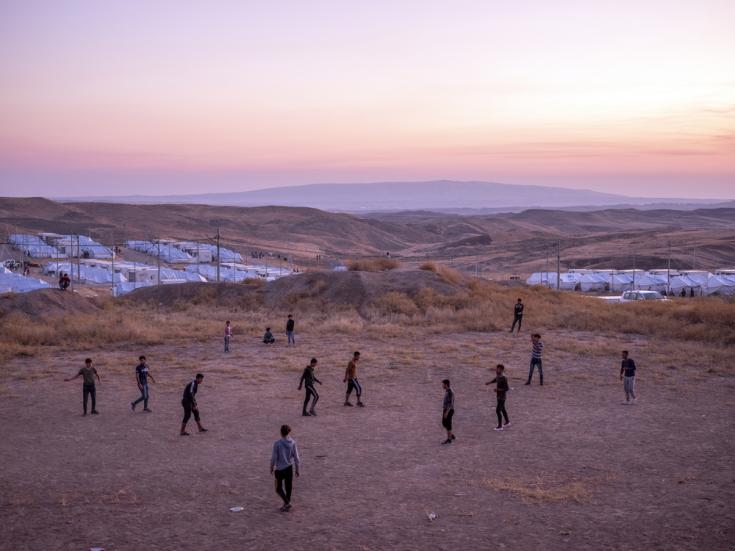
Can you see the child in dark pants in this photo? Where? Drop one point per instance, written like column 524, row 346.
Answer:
column 501, row 389
column 284, row 460
column 448, row 411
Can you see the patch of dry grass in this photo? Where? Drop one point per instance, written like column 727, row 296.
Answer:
column 450, row 275
column 380, row 264
column 540, row 491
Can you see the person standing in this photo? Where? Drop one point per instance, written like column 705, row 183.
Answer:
column 228, row 335
column 537, row 348
column 307, row 380
column 284, row 460
column 627, row 375
column 448, row 410
column 290, row 325
column 517, row 315
column 189, row 403
column 352, row 382
column 501, row 389
column 142, row 374
column 88, row 374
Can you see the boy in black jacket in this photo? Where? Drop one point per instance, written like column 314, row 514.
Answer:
column 501, row 389
column 307, row 380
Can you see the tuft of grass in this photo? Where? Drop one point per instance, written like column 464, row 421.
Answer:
column 381, row 264
column 447, row 274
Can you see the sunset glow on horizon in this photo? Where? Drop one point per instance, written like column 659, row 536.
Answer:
column 635, row 98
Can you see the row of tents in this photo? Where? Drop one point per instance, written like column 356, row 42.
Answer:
column 10, row 282
column 54, row 245
column 184, row 252
column 697, row 282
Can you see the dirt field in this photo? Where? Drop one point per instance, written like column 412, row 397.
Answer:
column 576, row 470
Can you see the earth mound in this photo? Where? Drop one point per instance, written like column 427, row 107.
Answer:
column 46, row 303
column 310, row 290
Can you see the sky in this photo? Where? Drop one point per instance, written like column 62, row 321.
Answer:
column 155, row 98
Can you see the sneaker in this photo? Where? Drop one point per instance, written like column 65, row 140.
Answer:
column 454, row 437
column 287, row 507
column 312, row 413
column 447, row 441
column 507, row 424
column 626, row 403
column 361, row 404
column 95, row 412
column 348, row 404
column 283, row 509
column 183, row 434
column 148, row 410
column 306, row 414
column 498, row 429
column 526, row 384
column 202, row 430
column 132, row 406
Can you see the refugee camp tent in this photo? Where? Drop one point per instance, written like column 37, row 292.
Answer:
column 720, row 285
column 15, row 283
column 595, row 281
column 80, row 245
column 167, row 251
column 33, row 246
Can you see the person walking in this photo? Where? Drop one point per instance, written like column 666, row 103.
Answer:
column 284, row 461
column 228, row 335
column 627, row 375
column 290, row 325
column 517, row 315
column 88, row 374
column 307, row 381
column 352, row 382
column 142, row 374
column 448, row 411
column 537, row 348
column 501, row 390
column 190, row 406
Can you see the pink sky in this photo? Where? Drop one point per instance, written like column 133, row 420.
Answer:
column 181, row 97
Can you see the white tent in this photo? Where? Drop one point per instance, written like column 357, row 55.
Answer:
column 595, row 281
column 168, row 251
column 87, row 274
column 720, row 285
column 33, row 246
column 16, row 283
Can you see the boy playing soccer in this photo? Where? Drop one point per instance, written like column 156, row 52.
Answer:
column 501, row 389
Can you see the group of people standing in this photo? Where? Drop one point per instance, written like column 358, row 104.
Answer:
column 285, row 460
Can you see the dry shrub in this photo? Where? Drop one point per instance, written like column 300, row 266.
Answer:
column 381, row 264
column 396, row 303
column 254, row 281
column 447, row 274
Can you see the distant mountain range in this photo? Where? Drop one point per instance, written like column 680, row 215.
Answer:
column 438, row 195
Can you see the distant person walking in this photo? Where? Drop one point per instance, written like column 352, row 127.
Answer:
column 89, row 389
column 190, row 406
column 517, row 315
column 228, row 335
column 268, row 337
column 307, row 381
column 352, row 382
column 627, row 375
column 61, row 281
column 537, row 349
column 290, row 326
column 142, row 374
column 501, row 389
column 284, row 459
column 448, row 410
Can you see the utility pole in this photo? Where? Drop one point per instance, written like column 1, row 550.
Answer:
column 158, row 243
column 634, row 263
column 546, row 269
column 694, row 258
column 558, row 265
column 112, row 283
column 668, row 272
column 79, row 254
column 218, row 255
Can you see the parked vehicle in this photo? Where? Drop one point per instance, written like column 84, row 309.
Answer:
column 631, row 296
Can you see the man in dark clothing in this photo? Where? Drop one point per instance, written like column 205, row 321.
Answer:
column 142, row 374
column 307, row 381
column 627, row 375
column 517, row 316
column 190, row 404
column 448, row 411
column 501, row 389
column 290, row 325
column 88, row 374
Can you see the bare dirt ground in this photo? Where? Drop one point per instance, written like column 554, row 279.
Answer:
column 576, row 470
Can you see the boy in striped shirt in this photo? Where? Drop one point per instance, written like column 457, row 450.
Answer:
column 537, row 347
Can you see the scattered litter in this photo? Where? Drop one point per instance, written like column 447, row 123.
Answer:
column 237, row 509
column 432, row 516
